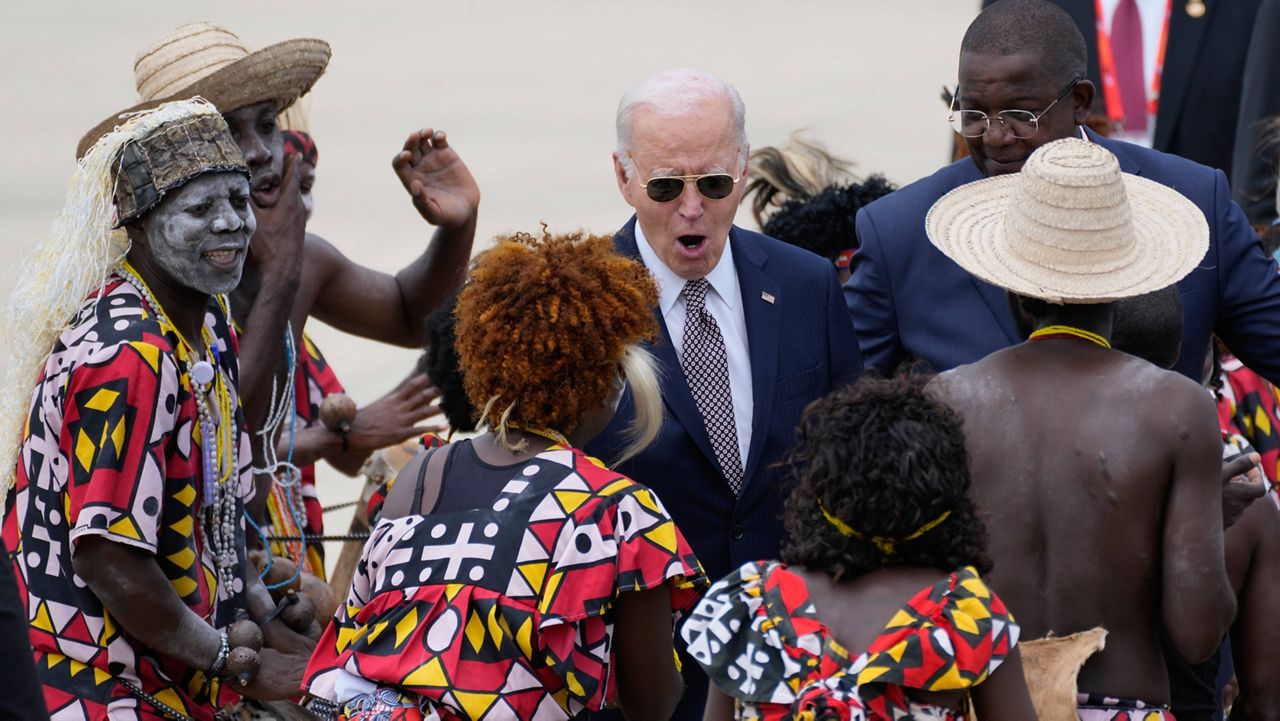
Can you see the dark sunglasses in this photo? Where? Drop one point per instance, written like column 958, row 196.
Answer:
column 669, row 187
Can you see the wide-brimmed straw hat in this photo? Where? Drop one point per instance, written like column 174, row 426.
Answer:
column 210, row 61
column 1071, row 228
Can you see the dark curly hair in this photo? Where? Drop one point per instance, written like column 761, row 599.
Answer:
column 543, row 323
column 823, row 224
column 440, row 362
column 884, row 458
column 803, row 195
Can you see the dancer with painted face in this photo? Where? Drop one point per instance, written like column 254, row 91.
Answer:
column 302, row 272
column 127, row 504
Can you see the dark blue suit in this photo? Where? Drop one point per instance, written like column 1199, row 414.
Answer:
column 801, row 346
column 907, row 299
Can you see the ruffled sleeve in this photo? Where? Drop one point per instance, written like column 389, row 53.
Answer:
column 619, row 539
column 949, row 637
column 755, row 634
column 332, row 670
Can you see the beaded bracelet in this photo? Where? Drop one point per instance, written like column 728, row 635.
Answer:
column 220, row 663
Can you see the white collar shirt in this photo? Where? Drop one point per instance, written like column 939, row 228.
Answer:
column 724, row 302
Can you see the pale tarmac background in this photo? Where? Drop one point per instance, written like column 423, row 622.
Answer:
column 526, row 90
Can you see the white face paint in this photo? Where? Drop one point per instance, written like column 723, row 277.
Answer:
column 199, row 234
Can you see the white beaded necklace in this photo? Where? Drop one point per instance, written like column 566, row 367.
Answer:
column 219, row 470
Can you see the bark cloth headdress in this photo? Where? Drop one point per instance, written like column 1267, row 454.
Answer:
column 121, row 178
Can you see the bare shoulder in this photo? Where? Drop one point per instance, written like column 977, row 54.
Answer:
column 1168, row 402
column 972, row 381
column 400, row 498
column 943, row 385
column 1164, row 387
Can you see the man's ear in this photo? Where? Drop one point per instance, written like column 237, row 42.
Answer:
column 620, row 174
column 1082, row 100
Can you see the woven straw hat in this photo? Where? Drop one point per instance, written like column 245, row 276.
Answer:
column 1070, row 228
column 210, row 61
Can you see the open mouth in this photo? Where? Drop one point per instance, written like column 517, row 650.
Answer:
column 691, row 241
column 267, row 191
column 223, row 257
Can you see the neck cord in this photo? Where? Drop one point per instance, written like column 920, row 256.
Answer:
column 1051, row 332
column 886, row 544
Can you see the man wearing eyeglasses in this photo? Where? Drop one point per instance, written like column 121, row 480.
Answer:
column 753, row 329
column 1022, row 84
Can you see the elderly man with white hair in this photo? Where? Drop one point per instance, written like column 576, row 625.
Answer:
column 753, row 329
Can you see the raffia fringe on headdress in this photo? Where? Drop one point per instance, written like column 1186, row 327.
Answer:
column 60, row 272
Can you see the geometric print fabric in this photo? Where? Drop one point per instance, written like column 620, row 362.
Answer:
column 1250, row 405
column 757, row 635
column 503, row 612
column 110, row 450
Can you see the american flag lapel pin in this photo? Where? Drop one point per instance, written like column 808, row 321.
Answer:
column 766, row 297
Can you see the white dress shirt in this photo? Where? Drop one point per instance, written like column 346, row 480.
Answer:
column 1151, row 14
column 724, row 302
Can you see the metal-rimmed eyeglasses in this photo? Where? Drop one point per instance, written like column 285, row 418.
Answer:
column 1020, row 124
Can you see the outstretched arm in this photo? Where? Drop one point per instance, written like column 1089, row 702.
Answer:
column 393, row 309
column 393, row 418
column 1197, row 600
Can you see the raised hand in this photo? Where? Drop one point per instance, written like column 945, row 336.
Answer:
column 439, row 182
column 277, row 242
column 397, row 416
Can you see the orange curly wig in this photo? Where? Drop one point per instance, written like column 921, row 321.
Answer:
column 543, row 323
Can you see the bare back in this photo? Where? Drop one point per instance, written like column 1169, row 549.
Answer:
column 1096, row 474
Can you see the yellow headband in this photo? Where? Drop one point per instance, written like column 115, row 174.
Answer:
column 887, row 545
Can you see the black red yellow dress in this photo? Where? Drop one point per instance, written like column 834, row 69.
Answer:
column 502, row 612
column 758, row 635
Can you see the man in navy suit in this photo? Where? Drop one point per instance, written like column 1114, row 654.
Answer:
column 908, row 300
column 1198, row 96
column 753, row 329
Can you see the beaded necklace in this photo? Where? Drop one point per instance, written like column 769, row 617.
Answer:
column 555, row 437
column 1050, row 332
column 218, row 435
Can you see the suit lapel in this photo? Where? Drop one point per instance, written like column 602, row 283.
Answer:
column 764, row 321
column 675, row 389
column 1186, row 36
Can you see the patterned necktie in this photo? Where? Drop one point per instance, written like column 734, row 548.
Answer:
column 1126, row 44
column 706, row 368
